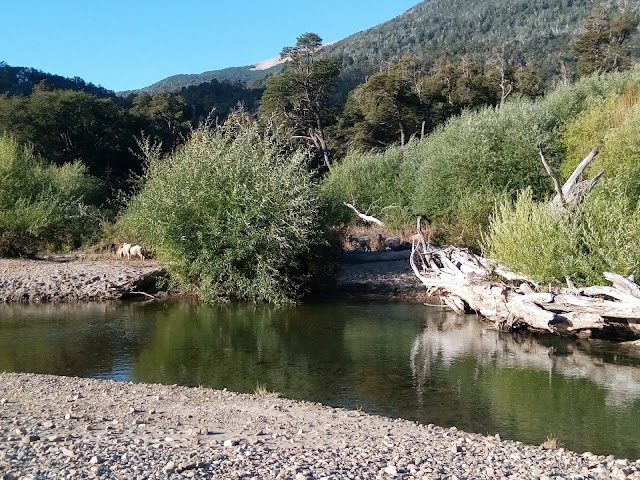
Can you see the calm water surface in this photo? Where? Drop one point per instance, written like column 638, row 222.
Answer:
column 397, row 360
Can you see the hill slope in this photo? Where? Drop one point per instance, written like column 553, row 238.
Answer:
column 247, row 75
column 531, row 29
column 535, row 30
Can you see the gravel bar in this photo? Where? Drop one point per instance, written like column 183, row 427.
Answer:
column 71, row 428
column 70, row 280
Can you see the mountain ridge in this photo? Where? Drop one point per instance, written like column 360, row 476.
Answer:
column 539, row 31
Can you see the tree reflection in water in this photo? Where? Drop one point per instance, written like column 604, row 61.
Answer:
column 397, row 360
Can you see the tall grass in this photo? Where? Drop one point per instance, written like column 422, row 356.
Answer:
column 529, row 238
column 230, row 215
column 569, row 101
column 603, row 234
column 613, row 125
column 43, row 207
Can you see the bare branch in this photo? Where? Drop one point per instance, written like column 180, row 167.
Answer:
column 363, row 216
column 554, row 177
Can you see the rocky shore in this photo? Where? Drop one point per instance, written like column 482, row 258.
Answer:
column 366, row 276
column 64, row 428
column 378, row 276
column 67, row 279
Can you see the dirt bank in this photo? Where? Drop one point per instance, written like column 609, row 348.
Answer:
column 66, row 279
column 378, row 276
column 368, row 276
column 60, row 427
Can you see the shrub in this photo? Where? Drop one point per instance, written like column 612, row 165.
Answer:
column 602, row 235
column 470, row 221
column 230, row 215
column 491, row 150
column 529, row 238
column 609, row 233
column 42, row 207
column 378, row 182
column 567, row 102
column 611, row 125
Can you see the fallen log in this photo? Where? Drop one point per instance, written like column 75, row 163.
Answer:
column 365, row 218
column 468, row 283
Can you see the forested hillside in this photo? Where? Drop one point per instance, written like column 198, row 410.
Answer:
column 21, row 80
column 535, row 32
column 246, row 75
column 532, row 31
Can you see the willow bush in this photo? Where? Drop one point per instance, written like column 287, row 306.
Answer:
column 378, row 182
column 601, row 235
column 613, row 126
column 43, row 207
column 230, row 214
column 567, row 102
column 490, row 150
column 529, row 238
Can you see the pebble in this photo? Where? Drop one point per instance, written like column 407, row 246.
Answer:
column 258, row 432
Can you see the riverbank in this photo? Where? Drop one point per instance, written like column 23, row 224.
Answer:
column 384, row 276
column 62, row 427
column 69, row 279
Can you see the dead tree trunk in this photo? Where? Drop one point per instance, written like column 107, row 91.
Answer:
column 467, row 282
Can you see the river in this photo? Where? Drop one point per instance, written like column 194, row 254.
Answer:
column 397, row 360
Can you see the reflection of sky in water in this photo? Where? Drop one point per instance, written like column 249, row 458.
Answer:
column 459, row 337
column 121, row 370
column 396, row 360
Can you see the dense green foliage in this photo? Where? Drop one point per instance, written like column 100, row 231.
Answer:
column 601, row 236
column 226, row 224
column 384, row 110
column 610, row 122
column 486, row 151
column 42, row 207
column 528, row 31
column 65, row 125
column 455, row 174
column 298, row 99
column 22, row 80
column 216, row 99
column 375, row 182
column 603, row 46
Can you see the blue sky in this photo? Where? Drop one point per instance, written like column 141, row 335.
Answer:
column 130, row 44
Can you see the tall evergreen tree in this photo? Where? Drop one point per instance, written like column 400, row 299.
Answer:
column 603, row 46
column 300, row 96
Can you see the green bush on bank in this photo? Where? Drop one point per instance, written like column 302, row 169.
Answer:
column 602, row 235
column 378, row 182
column 456, row 175
column 43, row 207
column 612, row 125
column 230, row 215
column 567, row 102
column 493, row 150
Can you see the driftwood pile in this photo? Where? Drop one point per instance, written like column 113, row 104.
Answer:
column 469, row 283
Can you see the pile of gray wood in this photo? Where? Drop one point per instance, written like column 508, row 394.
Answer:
column 469, row 283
